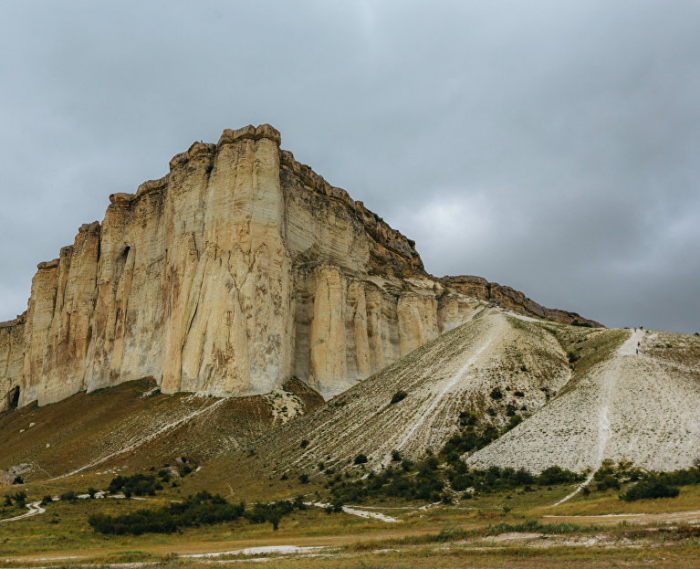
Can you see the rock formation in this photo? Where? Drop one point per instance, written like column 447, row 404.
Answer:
column 511, row 299
column 237, row 270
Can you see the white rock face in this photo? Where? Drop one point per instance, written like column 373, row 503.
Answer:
column 234, row 272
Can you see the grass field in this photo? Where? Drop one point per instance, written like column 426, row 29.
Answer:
column 441, row 536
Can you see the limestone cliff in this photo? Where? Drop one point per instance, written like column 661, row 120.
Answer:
column 514, row 300
column 237, row 270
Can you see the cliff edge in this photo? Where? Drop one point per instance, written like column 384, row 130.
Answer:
column 239, row 269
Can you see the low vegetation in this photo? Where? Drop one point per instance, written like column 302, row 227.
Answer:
column 429, row 480
column 638, row 484
column 200, row 509
column 476, row 433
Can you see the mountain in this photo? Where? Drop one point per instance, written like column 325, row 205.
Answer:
column 237, row 271
column 584, row 396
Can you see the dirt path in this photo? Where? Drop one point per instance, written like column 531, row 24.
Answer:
column 203, row 548
column 459, row 376
column 34, row 509
column 613, row 519
column 359, row 513
column 148, row 438
column 627, row 349
column 630, row 346
column 626, row 407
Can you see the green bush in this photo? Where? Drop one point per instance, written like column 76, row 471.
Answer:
column 650, row 488
column 69, row 496
column 514, row 421
column 200, row 509
column 606, row 482
column 557, row 475
column 19, row 498
column 137, row 484
column 360, row 459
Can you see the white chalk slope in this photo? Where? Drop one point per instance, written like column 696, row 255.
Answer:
column 633, row 407
column 455, row 372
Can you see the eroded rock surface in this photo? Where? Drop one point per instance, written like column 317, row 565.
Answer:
column 236, row 271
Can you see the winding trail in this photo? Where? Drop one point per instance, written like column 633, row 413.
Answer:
column 358, row 513
column 34, row 509
column 143, row 441
column 627, row 349
column 459, row 376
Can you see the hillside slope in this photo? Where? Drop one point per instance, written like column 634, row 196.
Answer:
column 134, row 424
column 643, row 408
column 456, row 372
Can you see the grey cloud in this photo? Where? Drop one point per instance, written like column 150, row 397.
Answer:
column 551, row 146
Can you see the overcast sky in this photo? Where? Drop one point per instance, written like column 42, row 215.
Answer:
column 547, row 145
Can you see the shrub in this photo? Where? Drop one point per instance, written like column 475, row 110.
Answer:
column 18, row 480
column 284, row 476
column 468, row 418
column 304, row 443
column 557, row 475
column 398, row 396
column 304, row 478
column 395, row 456
column 519, row 394
column 69, row 496
column 607, row 481
column 360, row 459
column 515, row 420
column 200, row 509
column 496, row 394
column 334, row 508
column 650, row 488
column 137, row 484
column 46, row 500
column 19, row 498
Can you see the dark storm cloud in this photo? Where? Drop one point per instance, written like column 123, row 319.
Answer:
column 551, row 146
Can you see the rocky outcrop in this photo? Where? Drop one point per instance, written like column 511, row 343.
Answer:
column 11, row 361
column 239, row 269
column 511, row 299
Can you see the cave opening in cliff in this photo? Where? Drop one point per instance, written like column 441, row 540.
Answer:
column 13, row 397
column 121, row 261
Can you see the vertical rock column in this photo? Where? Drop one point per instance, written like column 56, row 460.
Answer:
column 232, row 331
column 11, row 359
column 39, row 317
column 328, row 346
column 417, row 321
column 71, row 328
